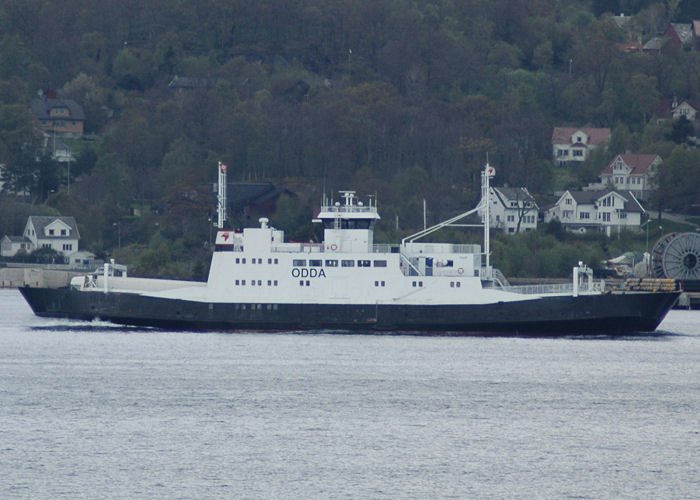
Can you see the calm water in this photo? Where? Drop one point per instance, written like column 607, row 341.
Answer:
column 97, row 411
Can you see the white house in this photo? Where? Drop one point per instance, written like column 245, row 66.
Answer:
column 583, row 211
column 513, row 210
column 10, row 245
column 59, row 233
column 632, row 172
column 572, row 144
column 673, row 109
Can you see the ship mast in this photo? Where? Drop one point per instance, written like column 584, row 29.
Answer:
column 486, row 175
column 221, row 197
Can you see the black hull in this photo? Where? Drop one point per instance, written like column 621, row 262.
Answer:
column 608, row 314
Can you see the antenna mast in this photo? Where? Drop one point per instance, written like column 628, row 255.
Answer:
column 486, row 176
column 221, row 197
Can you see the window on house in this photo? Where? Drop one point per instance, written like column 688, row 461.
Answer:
column 568, row 201
column 578, row 152
column 50, row 232
column 63, row 232
column 584, row 215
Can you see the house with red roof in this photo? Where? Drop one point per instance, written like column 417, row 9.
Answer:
column 632, row 172
column 574, row 144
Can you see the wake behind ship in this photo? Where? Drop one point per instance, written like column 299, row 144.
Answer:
column 258, row 281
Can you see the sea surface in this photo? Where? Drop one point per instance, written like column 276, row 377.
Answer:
column 93, row 410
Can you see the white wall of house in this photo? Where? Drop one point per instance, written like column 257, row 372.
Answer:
column 505, row 212
column 56, row 235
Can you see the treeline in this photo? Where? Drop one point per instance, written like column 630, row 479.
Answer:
column 400, row 98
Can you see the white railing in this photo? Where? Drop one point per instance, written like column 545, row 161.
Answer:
column 558, row 288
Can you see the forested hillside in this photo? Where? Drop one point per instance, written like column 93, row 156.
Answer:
column 400, row 98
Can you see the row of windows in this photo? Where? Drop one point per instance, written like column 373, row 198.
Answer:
column 258, row 282
column 630, row 180
column 343, row 263
column 256, row 260
column 259, row 307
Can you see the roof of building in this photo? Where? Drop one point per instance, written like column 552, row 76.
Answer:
column 41, row 108
column 656, row 44
column 683, row 30
column 590, row 197
column 509, row 193
column 639, row 163
column 632, row 46
column 596, row 136
column 17, row 239
column 41, row 221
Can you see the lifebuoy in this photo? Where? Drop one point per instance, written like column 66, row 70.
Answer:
column 460, row 271
column 334, row 247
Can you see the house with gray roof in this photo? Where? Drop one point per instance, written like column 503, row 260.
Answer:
column 512, row 210
column 602, row 211
column 59, row 116
column 59, row 233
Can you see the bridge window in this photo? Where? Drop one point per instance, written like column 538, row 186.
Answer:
column 332, row 263
column 315, row 263
column 347, row 263
column 299, row 262
column 363, row 263
column 379, row 263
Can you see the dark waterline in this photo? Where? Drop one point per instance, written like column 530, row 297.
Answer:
column 102, row 411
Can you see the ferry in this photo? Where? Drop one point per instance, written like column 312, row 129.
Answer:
column 258, row 281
